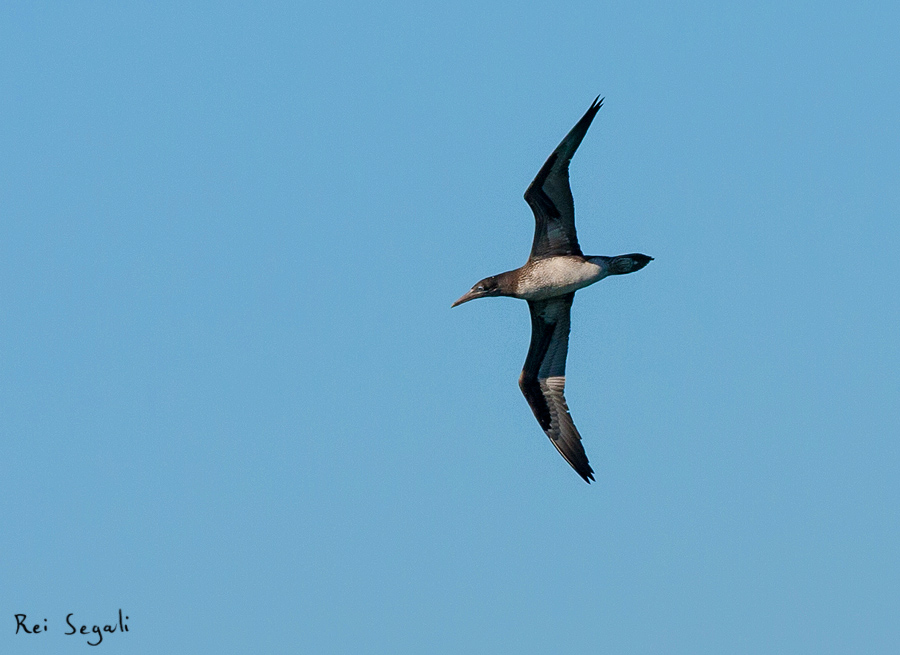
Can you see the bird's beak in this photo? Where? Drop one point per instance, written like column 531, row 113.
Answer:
column 471, row 295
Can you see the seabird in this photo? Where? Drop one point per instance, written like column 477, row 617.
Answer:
column 555, row 270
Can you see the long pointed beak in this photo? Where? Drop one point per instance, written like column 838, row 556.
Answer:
column 464, row 298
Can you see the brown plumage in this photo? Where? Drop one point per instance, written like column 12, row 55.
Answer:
column 555, row 270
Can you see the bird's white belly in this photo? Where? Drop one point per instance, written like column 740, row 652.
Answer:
column 557, row 276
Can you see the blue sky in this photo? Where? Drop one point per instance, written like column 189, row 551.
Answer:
column 234, row 400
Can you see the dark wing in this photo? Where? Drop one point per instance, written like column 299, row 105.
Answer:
column 550, row 195
column 543, row 379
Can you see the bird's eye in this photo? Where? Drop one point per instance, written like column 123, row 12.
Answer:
column 480, row 287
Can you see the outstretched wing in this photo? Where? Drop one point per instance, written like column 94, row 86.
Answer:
column 543, row 379
column 550, row 195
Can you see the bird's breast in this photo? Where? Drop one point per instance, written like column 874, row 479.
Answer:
column 557, row 276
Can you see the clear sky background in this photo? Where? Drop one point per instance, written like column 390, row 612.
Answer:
column 235, row 402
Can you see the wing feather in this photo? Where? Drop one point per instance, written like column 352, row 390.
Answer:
column 543, row 379
column 550, row 196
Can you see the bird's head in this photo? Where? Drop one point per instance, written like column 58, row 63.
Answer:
column 489, row 286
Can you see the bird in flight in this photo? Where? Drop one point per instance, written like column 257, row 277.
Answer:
column 555, row 270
